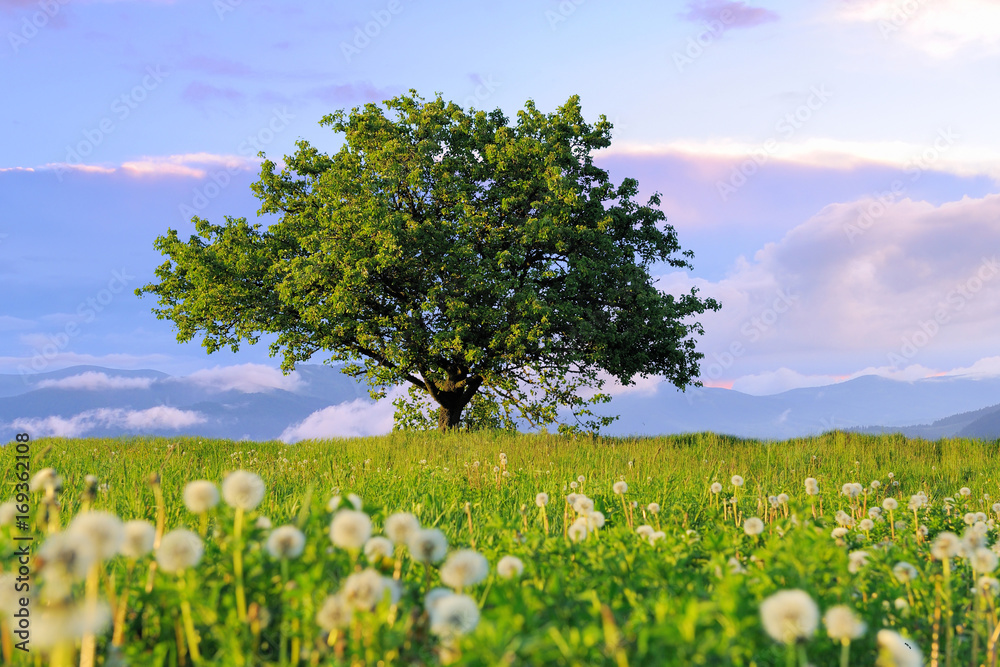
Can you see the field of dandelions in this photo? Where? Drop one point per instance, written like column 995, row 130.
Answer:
column 487, row 549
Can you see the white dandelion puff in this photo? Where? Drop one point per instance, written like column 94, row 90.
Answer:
column 104, row 530
column 464, row 567
column 454, row 615
column 364, row 590
column 856, row 560
column 428, row 545
column 946, row 545
column 620, row 488
column 753, row 526
column 902, row 652
column 350, row 529
column 789, row 615
column 510, row 567
column 842, row 624
column 179, row 550
column 737, row 480
column 542, row 499
column 890, row 504
column 286, row 542
column 139, row 538
column 243, row 490
column 335, row 613
column 400, row 527
column 716, row 487
column 200, row 496
column 904, row 572
column 377, row 548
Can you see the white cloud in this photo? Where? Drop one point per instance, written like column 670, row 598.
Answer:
column 247, row 378
column 945, row 152
column 894, row 285
column 94, row 381
column 941, row 28
column 349, row 419
column 44, row 359
column 187, row 165
column 160, row 417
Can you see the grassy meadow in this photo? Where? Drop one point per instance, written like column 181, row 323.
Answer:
column 607, row 579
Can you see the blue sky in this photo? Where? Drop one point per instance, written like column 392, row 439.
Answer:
column 832, row 164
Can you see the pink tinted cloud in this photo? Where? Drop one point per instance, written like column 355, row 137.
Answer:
column 199, row 93
column 358, row 92
column 740, row 15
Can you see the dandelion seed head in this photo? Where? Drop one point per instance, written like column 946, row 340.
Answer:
column 577, row 532
column 737, row 480
column 179, row 550
column 44, row 480
column 843, row 624
column 464, row 567
column 753, row 526
column 789, row 615
column 104, row 530
column 138, row 539
column 400, row 527
column 243, row 490
column 428, row 545
column 350, row 529
column 454, row 615
column 856, row 560
column 364, row 590
column 286, row 542
column 946, row 545
column 620, row 487
column 866, row 524
column 510, row 567
column 716, row 487
column 542, row 499
column 988, row 586
column 653, row 508
column 904, row 572
column 644, row 530
column 782, row 498
column 200, row 496
column 890, row 504
column 983, row 560
column 377, row 548
column 335, row 613
column 965, row 491
column 903, row 652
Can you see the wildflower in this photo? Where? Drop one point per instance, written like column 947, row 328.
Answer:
column 983, row 560
column 902, row 653
column 66, row 622
column 875, row 513
column 577, row 532
column 737, row 480
column 789, row 615
column 965, row 491
column 263, row 523
column 917, row 501
column 988, row 586
column 542, row 499
column 901, row 604
column 644, row 530
column 8, row 512
column 243, row 490
column 653, row 508
column 996, row 507
column 138, row 539
column 782, row 498
column 842, row 624
column 890, row 504
column 64, row 559
column 904, row 572
column 570, row 499
column 335, row 613
column 377, row 548
column 946, row 545
column 844, row 519
column 400, row 527
column 464, row 568
column 595, row 520
column 583, row 504
column 428, row 545
column 716, row 487
column 856, row 561
column 735, row 566
column 364, row 590
column 839, row 532
column 866, row 525
column 44, row 480
column 891, row 475
column 350, row 529
column 573, row 485
column 620, row 488
column 434, row 596
column 875, row 484
column 581, row 479
column 510, row 567
column 179, row 550
column 454, row 615
column 286, row 542
column 848, row 490
column 753, row 526
column 103, row 529
column 200, row 496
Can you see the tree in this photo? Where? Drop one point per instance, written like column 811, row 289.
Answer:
column 477, row 261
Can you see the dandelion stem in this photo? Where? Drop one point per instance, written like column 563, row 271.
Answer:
column 845, row 654
column 88, row 645
column 241, row 601
column 118, row 636
column 192, row 637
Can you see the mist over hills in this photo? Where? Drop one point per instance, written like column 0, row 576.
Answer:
column 259, row 403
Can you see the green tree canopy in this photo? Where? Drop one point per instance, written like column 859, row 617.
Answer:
column 476, row 260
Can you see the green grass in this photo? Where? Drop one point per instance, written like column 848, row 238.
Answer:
column 612, row 599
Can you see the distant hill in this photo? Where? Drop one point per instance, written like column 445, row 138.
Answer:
column 320, row 401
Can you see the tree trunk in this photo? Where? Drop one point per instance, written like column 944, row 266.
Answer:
column 448, row 418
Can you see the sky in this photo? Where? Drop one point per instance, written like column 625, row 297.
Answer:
column 833, row 165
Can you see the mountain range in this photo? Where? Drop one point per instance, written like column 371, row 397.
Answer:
column 259, row 403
